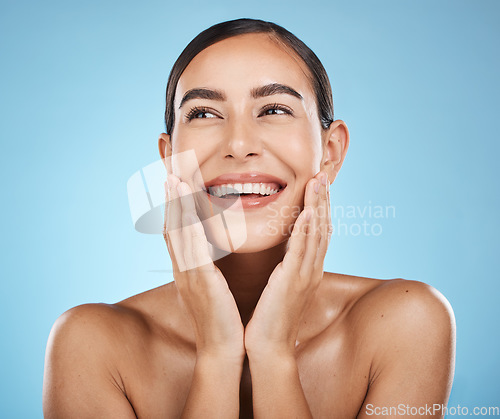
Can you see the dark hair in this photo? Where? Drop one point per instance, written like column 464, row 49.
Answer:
column 224, row 30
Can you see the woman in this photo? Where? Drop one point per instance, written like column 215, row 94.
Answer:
column 263, row 331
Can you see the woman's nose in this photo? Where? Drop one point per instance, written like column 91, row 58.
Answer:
column 241, row 142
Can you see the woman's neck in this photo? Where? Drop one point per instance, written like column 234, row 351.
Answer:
column 247, row 275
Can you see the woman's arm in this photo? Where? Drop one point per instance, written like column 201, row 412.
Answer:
column 78, row 382
column 211, row 307
column 214, row 391
column 276, row 388
column 410, row 328
column 271, row 334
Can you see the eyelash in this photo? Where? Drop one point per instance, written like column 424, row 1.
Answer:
column 197, row 110
column 277, row 107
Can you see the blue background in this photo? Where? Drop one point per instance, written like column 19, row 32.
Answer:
column 82, row 101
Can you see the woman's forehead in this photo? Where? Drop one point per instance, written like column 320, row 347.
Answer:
column 239, row 64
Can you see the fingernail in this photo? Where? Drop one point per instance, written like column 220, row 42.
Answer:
column 316, row 187
column 170, row 180
column 324, row 178
column 180, row 189
column 308, row 214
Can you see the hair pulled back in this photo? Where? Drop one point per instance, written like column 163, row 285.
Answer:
column 318, row 76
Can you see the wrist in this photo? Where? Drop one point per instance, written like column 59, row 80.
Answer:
column 219, row 359
column 275, row 370
column 267, row 352
column 266, row 359
column 222, row 372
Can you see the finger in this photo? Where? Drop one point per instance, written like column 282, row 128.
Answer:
column 201, row 252
column 301, row 225
column 325, row 223
column 175, row 245
column 311, row 197
column 186, row 220
column 175, row 266
column 173, row 226
column 329, row 212
column 169, row 164
column 296, row 244
column 323, row 180
column 199, row 243
column 326, row 227
column 172, row 205
column 196, row 252
column 313, row 237
column 166, row 213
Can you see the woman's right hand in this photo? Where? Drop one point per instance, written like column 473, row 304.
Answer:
column 201, row 285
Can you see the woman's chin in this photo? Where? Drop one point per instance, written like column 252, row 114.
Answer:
column 257, row 244
column 237, row 232
column 222, row 243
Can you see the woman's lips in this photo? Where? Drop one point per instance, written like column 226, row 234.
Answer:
column 246, row 201
column 247, row 190
column 247, row 177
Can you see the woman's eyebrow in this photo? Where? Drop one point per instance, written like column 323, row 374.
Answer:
column 201, row 93
column 274, row 89
column 256, row 93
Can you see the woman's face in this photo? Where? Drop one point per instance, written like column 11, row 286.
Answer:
column 255, row 121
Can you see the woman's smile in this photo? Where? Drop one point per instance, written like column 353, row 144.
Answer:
column 255, row 190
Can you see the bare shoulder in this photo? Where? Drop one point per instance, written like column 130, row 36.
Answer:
column 390, row 316
column 390, row 302
column 90, row 335
column 95, row 324
column 93, row 349
column 402, row 306
column 111, row 325
column 79, row 358
column 82, row 317
column 406, row 331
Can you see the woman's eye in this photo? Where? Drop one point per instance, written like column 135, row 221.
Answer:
column 199, row 113
column 204, row 115
column 276, row 110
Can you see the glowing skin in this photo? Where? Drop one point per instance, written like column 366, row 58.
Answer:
column 318, row 344
column 241, row 135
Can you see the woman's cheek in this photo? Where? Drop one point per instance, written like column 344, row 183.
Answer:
column 301, row 153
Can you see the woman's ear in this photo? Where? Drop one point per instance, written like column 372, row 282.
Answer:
column 164, row 146
column 335, row 145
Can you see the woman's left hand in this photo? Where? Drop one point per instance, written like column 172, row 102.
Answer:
column 274, row 326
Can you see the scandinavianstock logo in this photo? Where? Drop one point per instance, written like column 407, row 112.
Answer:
column 225, row 225
column 148, row 203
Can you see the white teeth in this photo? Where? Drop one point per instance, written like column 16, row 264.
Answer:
column 241, row 188
column 216, row 190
